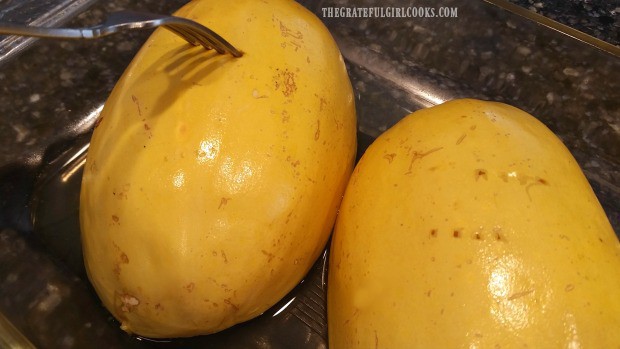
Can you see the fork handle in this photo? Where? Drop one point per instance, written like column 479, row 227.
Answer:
column 57, row 33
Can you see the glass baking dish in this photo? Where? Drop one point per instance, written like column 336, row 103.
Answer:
column 490, row 50
column 45, row 13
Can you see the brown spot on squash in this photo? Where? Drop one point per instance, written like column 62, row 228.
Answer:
column 98, row 121
column 286, row 32
column 229, row 302
column 270, row 256
column 137, row 103
column 116, row 270
column 480, row 173
column 389, row 157
column 182, row 128
column 534, row 182
column 317, row 133
column 126, row 302
column 293, row 162
column 285, row 81
column 288, row 217
column 223, row 202
column 519, row 294
column 419, row 155
column 497, row 232
column 285, row 116
column 322, row 103
column 121, row 193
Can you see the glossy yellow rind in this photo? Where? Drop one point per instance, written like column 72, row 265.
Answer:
column 470, row 225
column 212, row 182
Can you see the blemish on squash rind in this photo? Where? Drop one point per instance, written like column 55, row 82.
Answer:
column 223, row 202
column 269, row 256
column 317, row 133
column 322, row 103
column 116, row 270
column 537, row 181
column 480, row 173
column 229, row 302
column 137, row 102
column 285, row 116
column 97, row 122
column 287, row 32
column 419, row 155
column 126, row 302
column 389, row 157
column 285, row 81
column 292, row 161
column 519, row 294
column 376, row 340
column 476, row 235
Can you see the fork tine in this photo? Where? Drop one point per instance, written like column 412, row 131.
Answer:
column 193, row 32
column 204, row 40
column 192, row 39
column 221, row 45
column 207, row 35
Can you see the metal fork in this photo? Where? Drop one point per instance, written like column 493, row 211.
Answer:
column 193, row 32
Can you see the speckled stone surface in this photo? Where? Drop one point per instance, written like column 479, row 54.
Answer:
column 599, row 18
column 51, row 93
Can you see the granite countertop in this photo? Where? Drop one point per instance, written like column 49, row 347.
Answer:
column 599, row 18
column 51, row 94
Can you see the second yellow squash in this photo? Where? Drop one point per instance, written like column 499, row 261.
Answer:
column 470, row 225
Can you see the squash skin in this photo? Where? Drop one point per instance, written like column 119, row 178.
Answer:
column 470, row 225
column 212, row 183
